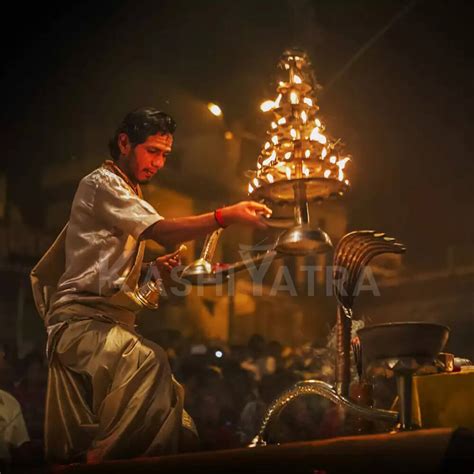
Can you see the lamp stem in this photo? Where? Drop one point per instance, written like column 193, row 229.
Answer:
column 301, row 206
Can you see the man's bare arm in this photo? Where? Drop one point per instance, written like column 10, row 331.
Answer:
column 174, row 231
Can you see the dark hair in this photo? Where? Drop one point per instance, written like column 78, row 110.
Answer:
column 139, row 125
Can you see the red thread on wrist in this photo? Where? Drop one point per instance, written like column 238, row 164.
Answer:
column 219, row 219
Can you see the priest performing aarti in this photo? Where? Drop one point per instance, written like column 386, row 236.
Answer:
column 111, row 393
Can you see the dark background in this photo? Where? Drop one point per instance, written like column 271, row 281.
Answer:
column 404, row 108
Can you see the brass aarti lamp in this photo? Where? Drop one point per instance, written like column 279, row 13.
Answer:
column 299, row 163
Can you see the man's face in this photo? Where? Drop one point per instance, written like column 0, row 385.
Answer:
column 148, row 157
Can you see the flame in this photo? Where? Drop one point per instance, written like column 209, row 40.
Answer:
column 319, row 137
column 288, row 155
column 324, row 152
column 293, row 133
column 304, row 116
column 307, row 153
column 267, row 105
column 274, row 125
column 333, row 159
column 267, row 145
column 297, row 79
column 327, row 173
column 342, row 163
column 269, row 159
column 282, row 121
column 308, row 101
column 294, row 97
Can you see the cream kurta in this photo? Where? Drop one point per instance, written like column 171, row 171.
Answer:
column 107, row 219
column 110, row 394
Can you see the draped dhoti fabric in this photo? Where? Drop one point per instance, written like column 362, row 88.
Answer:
column 111, row 394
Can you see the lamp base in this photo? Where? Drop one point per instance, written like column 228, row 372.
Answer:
column 302, row 240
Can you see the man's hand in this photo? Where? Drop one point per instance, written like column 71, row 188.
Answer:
column 165, row 265
column 246, row 212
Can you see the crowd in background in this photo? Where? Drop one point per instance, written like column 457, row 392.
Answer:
column 228, row 389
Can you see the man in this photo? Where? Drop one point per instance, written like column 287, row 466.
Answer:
column 110, row 392
column 13, row 432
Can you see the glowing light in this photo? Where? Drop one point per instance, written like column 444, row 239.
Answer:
column 250, row 189
column 294, row 97
column 273, row 125
column 256, row 182
column 332, row 159
column 307, row 153
column 342, row 163
column 270, row 178
column 267, row 105
column 308, row 101
column 297, row 79
column 282, row 121
column 219, row 354
column 288, row 173
column 214, row 109
column 277, row 101
column 318, row 123
column 305, row 170
column 316, row 136
column 324, row 152
column 269, row 159
column 267, row 145
column 288, row 155
column 327, row 173
column 304, row 116
column 275, row 140
column 228, row 135
column 293, row 133
column 347, row 182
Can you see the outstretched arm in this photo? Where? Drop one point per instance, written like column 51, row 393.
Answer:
column 181, row 229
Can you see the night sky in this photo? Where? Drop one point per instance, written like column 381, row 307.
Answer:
column 404, row 109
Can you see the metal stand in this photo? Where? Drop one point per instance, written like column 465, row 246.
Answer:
column 322, row 389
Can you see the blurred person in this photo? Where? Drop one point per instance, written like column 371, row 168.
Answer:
column 13, row 432
column 259, row 362
column 7, row 373
column 111, row 393
column 30, row 391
